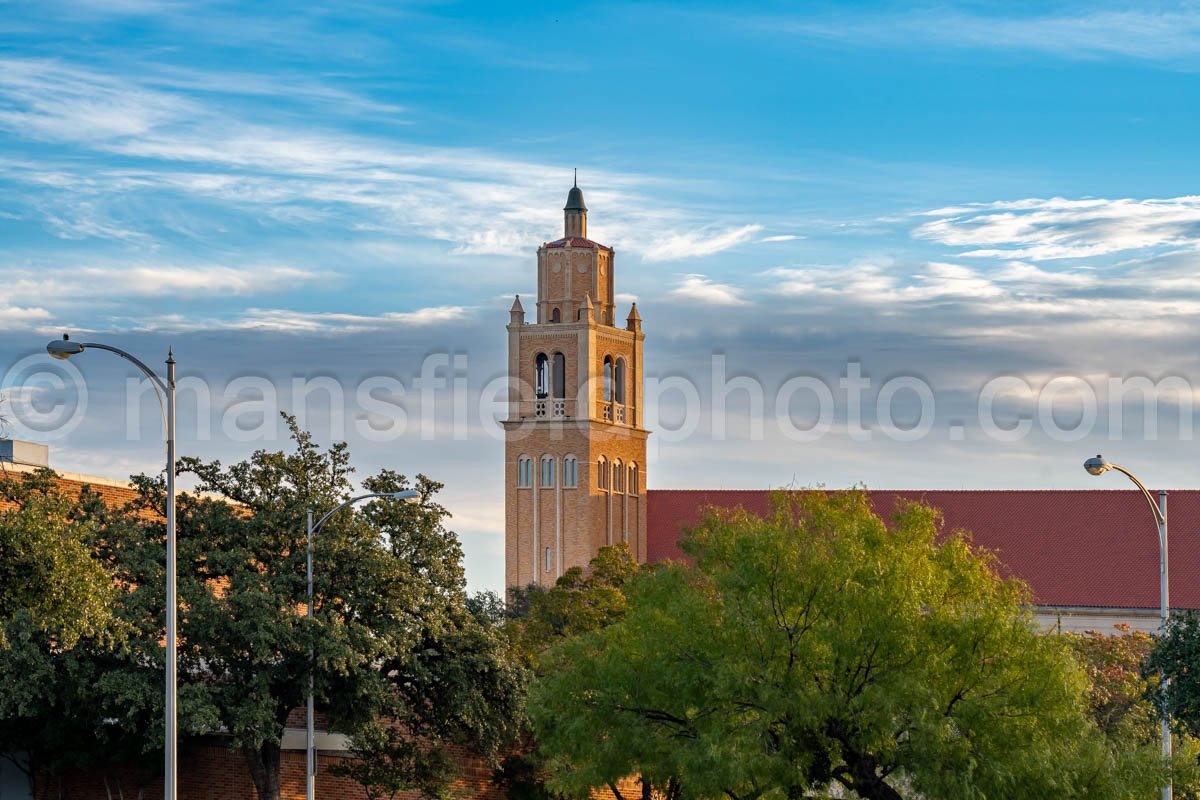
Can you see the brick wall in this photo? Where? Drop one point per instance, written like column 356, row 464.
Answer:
column 209, row 770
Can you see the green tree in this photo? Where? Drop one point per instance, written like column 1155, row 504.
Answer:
column 1177, row 656
column 580, row 601
column 98, row 704
column 819, row 646
column 392, row 635
column 47, row 571
column 1119, row 690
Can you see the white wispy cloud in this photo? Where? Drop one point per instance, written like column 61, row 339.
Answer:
column 314, row 322
column 184, row 281
column 1020, row 272
column 698, row 243
column 91, row 282
column 701, row 289
column 1145, row 301
column 54, row 101
column 184, row 148
column 309, row 322
column 874, row 284
column 783, row 237
column 22, row 317
column 1057, row 228
column 1154, row 34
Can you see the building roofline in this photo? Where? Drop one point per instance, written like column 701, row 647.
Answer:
column 874, row 490
column 77, row 477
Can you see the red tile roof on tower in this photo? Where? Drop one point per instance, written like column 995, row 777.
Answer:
column 1081, row 548
column 575, row 241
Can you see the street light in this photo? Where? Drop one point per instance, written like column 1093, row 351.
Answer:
column 310, row 755
column 1098, row 466
column 63, row 349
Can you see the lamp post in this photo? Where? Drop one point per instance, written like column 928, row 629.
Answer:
column 63, row 349
column 310, row 755
column 1098, row 466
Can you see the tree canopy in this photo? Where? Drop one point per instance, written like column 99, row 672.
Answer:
column 819, row 646
column 93, row 698
column 48, row 573
column 1177, row 657
column 396, row 648
column 394, row 642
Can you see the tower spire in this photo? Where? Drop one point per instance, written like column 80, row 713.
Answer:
column 575, row 213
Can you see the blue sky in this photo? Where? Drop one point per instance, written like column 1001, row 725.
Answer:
column 954, row 192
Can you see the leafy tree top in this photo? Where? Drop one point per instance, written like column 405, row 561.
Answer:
column 819, row 646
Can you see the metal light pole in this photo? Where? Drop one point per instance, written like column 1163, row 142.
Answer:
column 1098, row 466
column 310, row 754
column 63, row 349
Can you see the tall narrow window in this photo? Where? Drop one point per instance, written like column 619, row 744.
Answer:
column 570, row 477
column 618, row 477
column 560, row 376
column 619, row 381
column 547, row 559
column 601, row 473
column 547, row 471
column 556, row 316
column 633, row 479
column 541, row 376
column 608, row 379
column 524, row 472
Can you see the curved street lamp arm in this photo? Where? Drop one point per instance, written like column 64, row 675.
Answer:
column 160, row 388
column 131, row 358
column 349, row 502
column 1145, row 492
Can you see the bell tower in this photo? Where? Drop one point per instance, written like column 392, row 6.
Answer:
column 575, row 445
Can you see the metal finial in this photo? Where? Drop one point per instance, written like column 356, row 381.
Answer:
column 577, row 177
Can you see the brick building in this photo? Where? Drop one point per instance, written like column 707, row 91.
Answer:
column 575, row 474
column 575, row 481
column 575, row 445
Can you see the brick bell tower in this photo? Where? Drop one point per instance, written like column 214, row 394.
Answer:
column 575, row 448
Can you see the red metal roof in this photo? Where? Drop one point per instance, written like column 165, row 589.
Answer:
column 576, row 242
column 1096, row 548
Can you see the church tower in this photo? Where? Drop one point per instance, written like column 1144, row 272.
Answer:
column 575, row 445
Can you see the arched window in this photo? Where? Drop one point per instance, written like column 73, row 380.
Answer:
column 560, row 376
column 541, row 376
column 633, row 479
column 619, row 381
column 602, row 473
column 608, row 379
column 524, row 472
column 547, row 471
column 618, row 477
column 570, row 477
column 556, row 316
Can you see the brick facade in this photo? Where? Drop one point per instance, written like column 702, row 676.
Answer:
column 209, row 770
column 575, row 445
